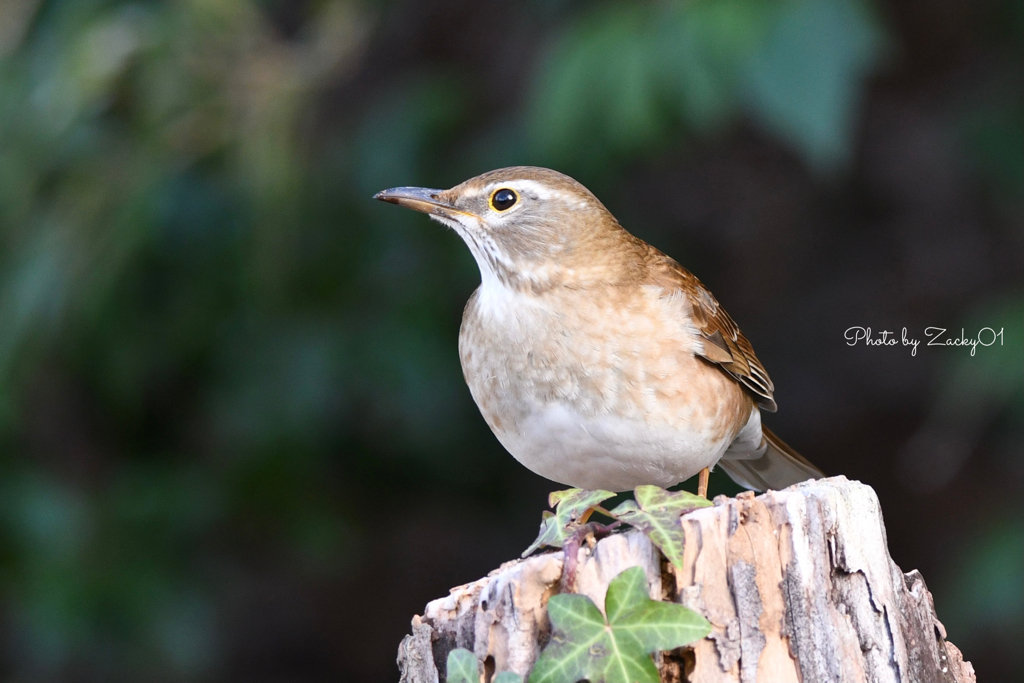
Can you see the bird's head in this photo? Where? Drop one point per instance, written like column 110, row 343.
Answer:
column 528, row 227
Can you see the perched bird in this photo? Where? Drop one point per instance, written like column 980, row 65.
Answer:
column 598, row 361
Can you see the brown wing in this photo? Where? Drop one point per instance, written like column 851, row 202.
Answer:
column 724, row 344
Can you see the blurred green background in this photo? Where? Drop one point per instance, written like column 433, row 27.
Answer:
column 235, row 442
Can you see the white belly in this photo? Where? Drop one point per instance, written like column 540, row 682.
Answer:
column 607, row 452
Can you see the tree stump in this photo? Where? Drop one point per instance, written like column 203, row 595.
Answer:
column 798, row 586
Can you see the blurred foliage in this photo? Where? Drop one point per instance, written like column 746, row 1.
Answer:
column 989, row 606
column 151, row 174
column 626, row 78
column 215, row 353
column 973, row 393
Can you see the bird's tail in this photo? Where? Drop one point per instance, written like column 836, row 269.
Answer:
column 779, row 467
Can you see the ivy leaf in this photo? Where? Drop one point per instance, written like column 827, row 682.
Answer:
column 556, row 528
column 462, row 667
column 586, row 645
column 656, row 512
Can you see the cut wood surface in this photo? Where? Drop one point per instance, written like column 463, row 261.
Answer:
column 798, row 586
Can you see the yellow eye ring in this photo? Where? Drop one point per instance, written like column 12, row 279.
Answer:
column 503, row 199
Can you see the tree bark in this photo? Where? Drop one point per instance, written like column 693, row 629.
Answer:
column 798, row 586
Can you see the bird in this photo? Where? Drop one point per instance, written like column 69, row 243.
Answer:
column 598, row 361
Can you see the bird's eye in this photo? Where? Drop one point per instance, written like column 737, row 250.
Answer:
column 503, row 199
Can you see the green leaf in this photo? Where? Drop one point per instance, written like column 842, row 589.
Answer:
column 579, row 643
column 656, row 512
column 597, row 92
column 462, row 667
column 556, row 528
column 806, row 82
column 617, row 649
column 657, row 626
column 627, row 591
column 701, row 50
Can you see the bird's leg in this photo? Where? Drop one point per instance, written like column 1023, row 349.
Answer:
column 702, row 483
column 582, row 519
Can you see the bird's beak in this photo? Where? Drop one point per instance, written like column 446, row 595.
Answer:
column 420, row 199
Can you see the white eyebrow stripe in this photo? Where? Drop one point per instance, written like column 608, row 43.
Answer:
column 538, row 190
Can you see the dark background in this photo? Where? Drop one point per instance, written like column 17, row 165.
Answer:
column 235, row 442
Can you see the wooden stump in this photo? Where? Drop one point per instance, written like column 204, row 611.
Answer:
column 797, row 584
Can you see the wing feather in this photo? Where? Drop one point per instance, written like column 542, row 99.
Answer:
column 724, row 343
